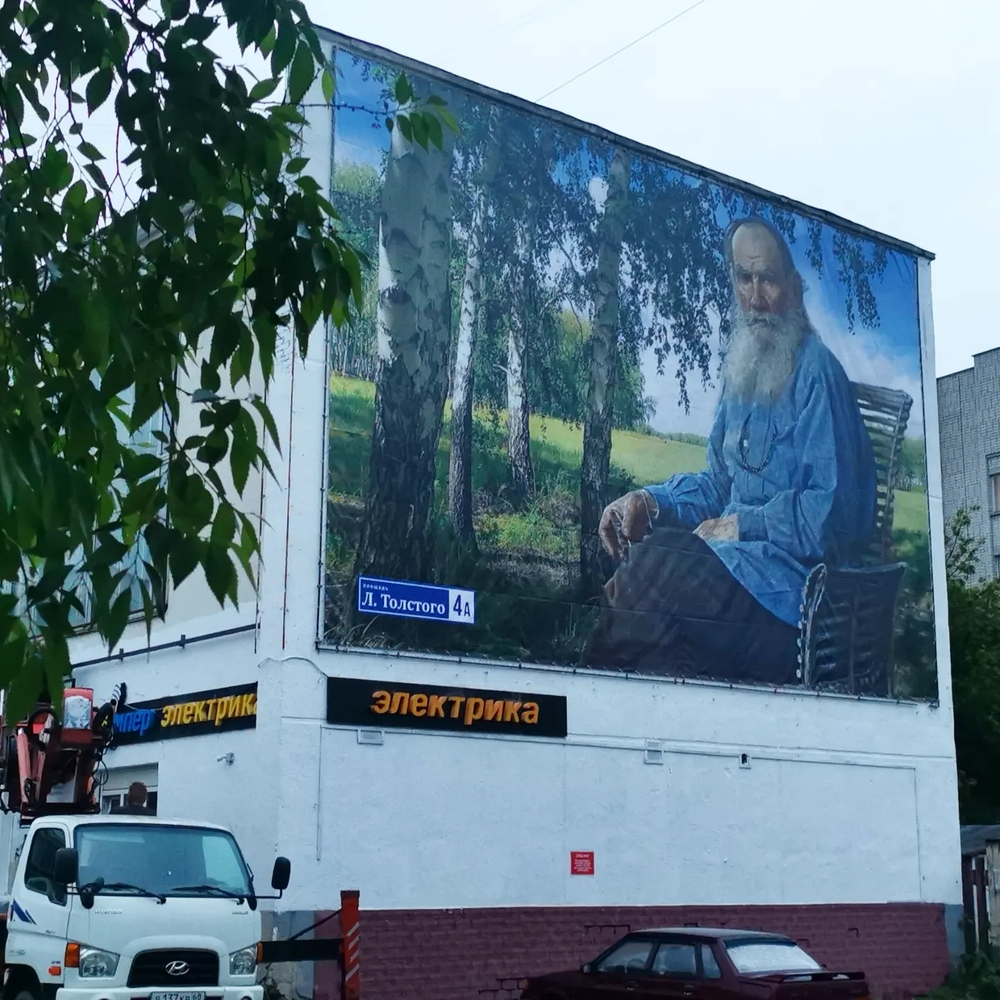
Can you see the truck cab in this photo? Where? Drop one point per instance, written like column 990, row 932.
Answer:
column 124, row 907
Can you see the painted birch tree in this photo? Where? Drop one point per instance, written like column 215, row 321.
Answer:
column 413, row 330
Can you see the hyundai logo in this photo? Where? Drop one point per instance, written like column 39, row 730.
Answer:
column 177, row 968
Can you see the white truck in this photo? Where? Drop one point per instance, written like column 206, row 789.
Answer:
column 122, row 907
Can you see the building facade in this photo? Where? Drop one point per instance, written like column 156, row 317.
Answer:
column 970, row 453
column 505, row 816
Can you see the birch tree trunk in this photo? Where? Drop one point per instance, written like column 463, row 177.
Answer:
column 413, row 341
column 602, row 350
column 522, row 473
column 460, row 465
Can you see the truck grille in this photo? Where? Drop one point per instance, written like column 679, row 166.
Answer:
column 149, row 968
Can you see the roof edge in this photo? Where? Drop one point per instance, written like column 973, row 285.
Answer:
column 606, row 135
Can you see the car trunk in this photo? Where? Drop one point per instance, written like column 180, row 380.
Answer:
column 821, row 985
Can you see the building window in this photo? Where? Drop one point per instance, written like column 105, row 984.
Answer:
column 996, row 566
column 995, row 493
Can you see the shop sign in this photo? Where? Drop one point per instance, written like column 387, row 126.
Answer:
column 220, row 710
column 352, row 702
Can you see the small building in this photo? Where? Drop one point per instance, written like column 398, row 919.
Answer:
column 969, row 412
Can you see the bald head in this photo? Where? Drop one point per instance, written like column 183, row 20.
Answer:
column 764, row 278
column 769, row 321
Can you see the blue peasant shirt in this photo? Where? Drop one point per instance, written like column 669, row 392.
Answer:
column 799, row 474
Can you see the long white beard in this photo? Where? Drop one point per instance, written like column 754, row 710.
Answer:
column 761, row 353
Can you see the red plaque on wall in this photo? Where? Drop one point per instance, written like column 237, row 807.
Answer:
column 581, row 862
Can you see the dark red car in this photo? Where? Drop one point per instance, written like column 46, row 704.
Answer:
column 701, row 964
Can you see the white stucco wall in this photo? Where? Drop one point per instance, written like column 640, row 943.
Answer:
column 844, row 800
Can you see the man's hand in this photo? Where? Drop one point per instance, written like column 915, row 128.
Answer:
column 724, row 529
column 629, row 519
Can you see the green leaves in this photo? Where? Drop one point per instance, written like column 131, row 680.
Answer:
column 403, row 92
column 301, row 75
column 98, row 88
column 124, row 320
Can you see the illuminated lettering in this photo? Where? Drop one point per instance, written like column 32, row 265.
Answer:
column 530, row 712
column 380, row 702
column 210, row 712
column 493, row 711
column 400, row 702
column 418, row 704
column 199, row 712
column 169, row 712
column 510, row 710
column 250, row 704
column 473, row 710
column 456, row 704
column 435, row 706
column 221, row 709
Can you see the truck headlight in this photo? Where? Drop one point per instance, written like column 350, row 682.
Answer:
column 243, row 962
column 96, row 964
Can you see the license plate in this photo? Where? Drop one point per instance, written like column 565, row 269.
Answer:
column 178, row 995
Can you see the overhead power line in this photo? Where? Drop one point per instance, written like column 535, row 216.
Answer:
column 618, row 52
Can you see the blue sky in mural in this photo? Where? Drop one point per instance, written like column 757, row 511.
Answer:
column 887, row 355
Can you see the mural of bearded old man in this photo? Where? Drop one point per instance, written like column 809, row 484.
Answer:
column 712, row 564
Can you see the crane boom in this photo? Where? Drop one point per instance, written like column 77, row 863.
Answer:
column 50, row 765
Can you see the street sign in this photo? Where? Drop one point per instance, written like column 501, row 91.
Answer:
column 416, row 600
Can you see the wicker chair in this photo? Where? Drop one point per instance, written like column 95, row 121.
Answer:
column 848, row 612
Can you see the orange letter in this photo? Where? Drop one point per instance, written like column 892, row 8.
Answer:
column 510, row 710
column 473, row 710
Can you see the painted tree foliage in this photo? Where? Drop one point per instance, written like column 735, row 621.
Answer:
column 579, row 270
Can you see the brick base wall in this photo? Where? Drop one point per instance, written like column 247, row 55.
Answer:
column 482, row 954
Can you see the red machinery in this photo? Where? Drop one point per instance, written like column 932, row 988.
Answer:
column 51, row 766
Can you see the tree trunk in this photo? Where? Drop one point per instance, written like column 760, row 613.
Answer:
column 522, row 473
column 602, row 350
column 411, row 380
column 460, row 467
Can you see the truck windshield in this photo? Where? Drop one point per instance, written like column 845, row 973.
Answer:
column 770, row 956
column 172, row 860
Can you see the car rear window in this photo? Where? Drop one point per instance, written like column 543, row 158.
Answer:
column 770, row 956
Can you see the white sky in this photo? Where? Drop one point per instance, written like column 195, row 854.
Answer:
column 883, row 111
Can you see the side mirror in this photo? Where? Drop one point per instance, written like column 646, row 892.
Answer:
column 586, row 969
column 66, row 865
column 281, row 874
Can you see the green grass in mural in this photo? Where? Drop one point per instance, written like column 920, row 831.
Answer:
column 556, row 449
column 911, row 512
